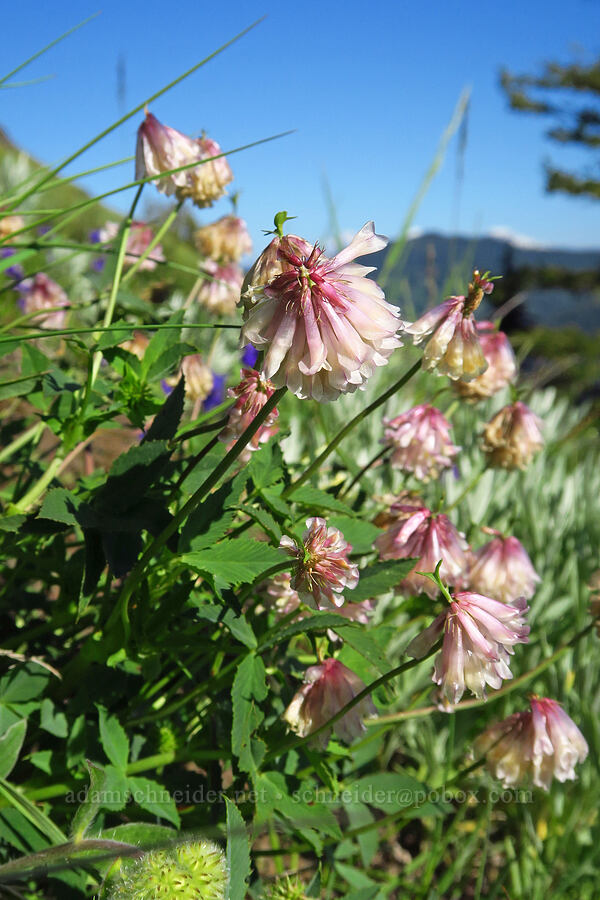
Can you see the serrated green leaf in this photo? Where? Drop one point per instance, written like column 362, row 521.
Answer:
column 89, row 809
column 26, row 682
column 249, row 688
column 238, row 853
column 10, row 747
column 60, row 506
column 113, row 738
column 361, row 535
column 307, row 495
column 265, row 520
column 155, row 798
column 266, row 466
column 119, row 335
column 379, row 578
column 210, row 522
column 238, row 625
column 361, row 641
column 235, row 562
column 316, row 621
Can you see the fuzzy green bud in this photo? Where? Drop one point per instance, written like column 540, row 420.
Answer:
column 195, row 870
column 286, row 889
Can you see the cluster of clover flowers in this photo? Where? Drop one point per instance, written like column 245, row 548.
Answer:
column 322, row 327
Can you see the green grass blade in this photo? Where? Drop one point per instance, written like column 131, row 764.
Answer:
column 48, row 47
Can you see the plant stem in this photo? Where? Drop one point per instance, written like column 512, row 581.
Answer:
column 364, row 469
column 383, row 679
column 316, row 464
column 157, row 237
column 30, row 435
column 392, row 718
column 137, row 573
column 67, row 854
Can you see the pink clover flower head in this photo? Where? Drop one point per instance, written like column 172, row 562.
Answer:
column 42, row 293
column 421, row 442
column 251, row 394
column 533, row 746
column 453, row 347
column 502, row 569
column 502, row 365
column 220, row 290
column 327, row 688
column 140, row 238
column 512, row 437
column 161, row 148
column 417, row 533
column 478, row 635
column 323, row 571
column 281, row 594
column 323, row 325
column 225, row 240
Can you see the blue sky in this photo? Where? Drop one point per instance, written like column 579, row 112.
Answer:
column 369, row 88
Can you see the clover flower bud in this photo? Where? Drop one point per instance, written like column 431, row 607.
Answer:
column 322, row 571
column 415, row 532
column 453, row 347
column 161, row 148
column 533, row 746
column 421, row 443
column 139, row 239
column 512, row 437
column 323, row 324
column 478, row 635
column 327, row 688
column 501, row 369
column 251, row 394
column 199, row 378
column 41, row 293
column 220, row 289
column 286, row 889
column 225, row 240
column 502, row 569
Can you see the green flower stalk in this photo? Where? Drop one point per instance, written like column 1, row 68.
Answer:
column 195, row 870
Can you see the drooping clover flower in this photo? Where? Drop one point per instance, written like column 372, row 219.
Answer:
column 251, row 394
column 327, row 688
column 137, row 345
column 323, row 324
column 198, row 376
column 220, row 289
column 533, row 746
column 42, row 293
column 192, row 869
column 478, row 635
column 9, row 224
column 139, row 239
column 225, row 240
column 322, row 571
column 453, row 348
column 501, row 369
column 512, row 437
column 415, row 532
column 421, row 442
column 161, row 148
column 285, row 600
column 502, row 569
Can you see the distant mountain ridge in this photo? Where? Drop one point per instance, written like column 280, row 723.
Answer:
column 433, row 266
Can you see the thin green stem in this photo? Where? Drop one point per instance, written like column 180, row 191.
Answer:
column 470, row 487
column 364, row 469
column 48, row 47
column 112, row 300
column 137, row 573
column 67, row 855
column 30, row 435
column 392, row 718
column 383, row 679
column 317, row 463
column 68, row 332
column 36, row 490
column 155, row 240
column 35, row 187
